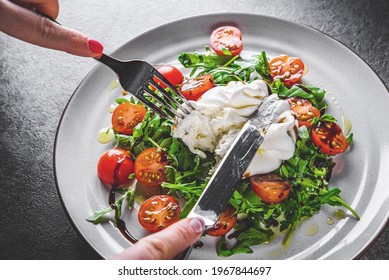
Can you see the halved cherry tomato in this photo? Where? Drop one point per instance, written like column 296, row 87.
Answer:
column 304, row 110
column 126, row 116
column 171, row 73
column 227, row 38
column 150, row 167
column 288, row 69
column 159, row 212
column 114, row 167
column 328, row 136
column 271, row 188
column 193, row 89
column 224, row 224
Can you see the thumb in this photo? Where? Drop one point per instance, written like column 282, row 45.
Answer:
column 33, row 28
column 167, row 243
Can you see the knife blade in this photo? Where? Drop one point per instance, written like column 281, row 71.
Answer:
column 230, row 171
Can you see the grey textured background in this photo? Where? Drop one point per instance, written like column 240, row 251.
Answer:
column 36, row 84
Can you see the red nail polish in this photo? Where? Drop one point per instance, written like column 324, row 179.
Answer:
column 95, row 46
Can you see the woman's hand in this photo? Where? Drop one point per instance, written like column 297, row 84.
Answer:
column 18, row 19
column 165, row 244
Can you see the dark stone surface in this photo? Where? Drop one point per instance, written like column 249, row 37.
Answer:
column 36, row 83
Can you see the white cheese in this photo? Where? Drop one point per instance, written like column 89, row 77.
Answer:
column 220, row 114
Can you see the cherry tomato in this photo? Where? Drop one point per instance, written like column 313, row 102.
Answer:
column 171, row 73
column 193, row 89
column 224, row 224
column 227, row 38
column 159, row 212
column 150, row 167
column 271, row 188
column 114, row 167
column 288, row 69
column 328, row 136
column 304, row 110
column 126, row 116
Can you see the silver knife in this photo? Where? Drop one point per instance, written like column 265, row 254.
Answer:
column 230, row 171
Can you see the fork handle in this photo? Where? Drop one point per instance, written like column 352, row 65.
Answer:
column 113, row 63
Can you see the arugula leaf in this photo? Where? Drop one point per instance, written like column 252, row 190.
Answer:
column 314, row 94
column 350, row 138
column 101, row 216
column 121, row 100
column 247, row 233
column 187, row 207
column 262, row 67
column 225, row 69
column 208, row 61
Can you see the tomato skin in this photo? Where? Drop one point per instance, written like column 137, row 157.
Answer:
column 193, row 89
column 158, row 212
column 228, row 38
column 288, row 69
column 329, row 137
column 171, row 73
column 304, row 110
column 126, row 116
column 114, row 167
column 271, row 188
column 225, row 223
column 150, row 167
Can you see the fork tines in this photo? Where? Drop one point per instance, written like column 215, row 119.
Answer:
column 165, row 99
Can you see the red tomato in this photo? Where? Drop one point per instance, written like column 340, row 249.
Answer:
column 328, row 136
column 271, row 188
column 193, row 89
column 114, row 167
column 304, row 110
column 150, row 167
column 171, row 73
column 126, row 116
column 159, row 212
column 288, row 69
column 228, row 38
column 224, row 224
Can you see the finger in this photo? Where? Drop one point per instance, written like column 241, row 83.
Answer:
column 33, row 28
column 167, row 243
column 47, row 7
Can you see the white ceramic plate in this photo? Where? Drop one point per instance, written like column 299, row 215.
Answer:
column 354, row 89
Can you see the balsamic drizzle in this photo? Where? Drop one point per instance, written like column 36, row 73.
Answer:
column 121, row 225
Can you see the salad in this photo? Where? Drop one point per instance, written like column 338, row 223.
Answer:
column 162, row 167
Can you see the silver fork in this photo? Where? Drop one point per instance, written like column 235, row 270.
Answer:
column 137, row 76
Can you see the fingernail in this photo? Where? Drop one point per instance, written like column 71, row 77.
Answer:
column 95, row 46
column 197, row 224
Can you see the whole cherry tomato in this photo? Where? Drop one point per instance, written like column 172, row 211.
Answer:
column 171, row 73
column 114, row 168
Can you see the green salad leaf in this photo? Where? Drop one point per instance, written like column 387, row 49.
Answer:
column 225, row 69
